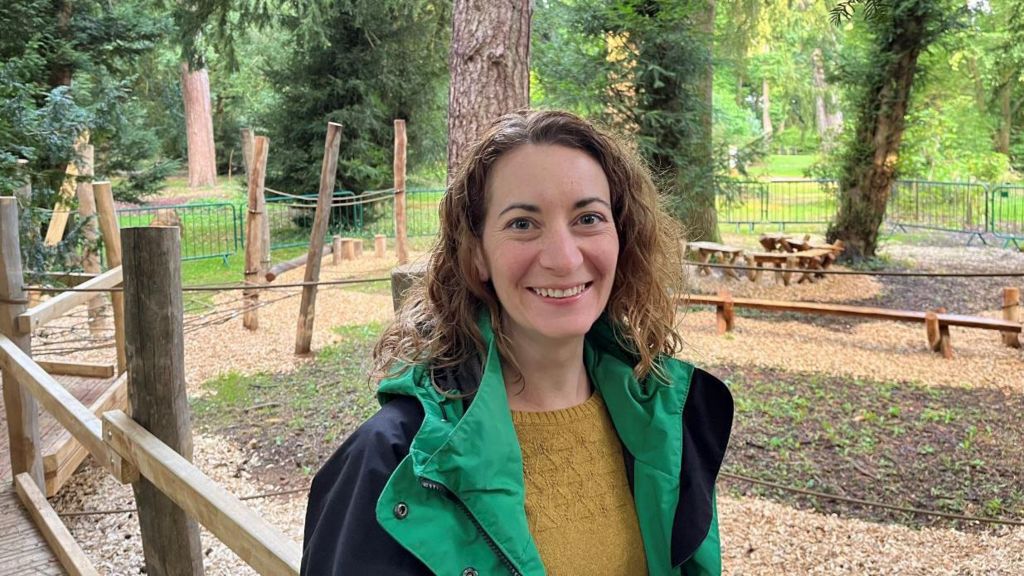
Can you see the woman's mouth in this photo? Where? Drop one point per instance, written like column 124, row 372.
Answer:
column 559, row 293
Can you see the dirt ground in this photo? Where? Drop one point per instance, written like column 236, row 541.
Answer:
column 858, row 408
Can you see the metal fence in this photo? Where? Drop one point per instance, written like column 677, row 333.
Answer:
column 207, row 230
column 217, row 230
column 961, row 207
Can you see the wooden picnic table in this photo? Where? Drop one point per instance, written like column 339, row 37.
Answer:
column 781, row 261
column 723, row 253
column 812, row 262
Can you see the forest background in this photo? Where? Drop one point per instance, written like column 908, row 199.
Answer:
column 787, row 86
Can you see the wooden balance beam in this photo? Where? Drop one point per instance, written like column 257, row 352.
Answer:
column 936, row 323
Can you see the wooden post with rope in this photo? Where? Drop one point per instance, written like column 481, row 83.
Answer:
column 110, row 230
column 254, row 234
column 156, row 389
column 328, row 172
column 401, row 247
column 22, row 412
column 1011, row 312
column 90, row 232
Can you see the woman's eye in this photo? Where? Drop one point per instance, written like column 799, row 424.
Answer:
column 519, row 224
column 591, row 219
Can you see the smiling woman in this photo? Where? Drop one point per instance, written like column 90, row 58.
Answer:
column 534, row 419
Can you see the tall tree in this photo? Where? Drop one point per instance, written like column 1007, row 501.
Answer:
column 202, row 153
column 490, row 68
column 901, row 31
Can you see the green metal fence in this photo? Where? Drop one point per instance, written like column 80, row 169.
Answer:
column 217, row 230
column 207, row 230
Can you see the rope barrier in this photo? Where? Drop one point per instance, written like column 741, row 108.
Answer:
column 871, row 503
column 865, row 272
column 230, row 287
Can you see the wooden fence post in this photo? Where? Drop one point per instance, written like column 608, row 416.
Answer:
column 110, row 229
column 254, row 234
column 401, row 247
column 90, row 255
column 156, row 389
column 328, row 172
column 1011, row 312
column 379, row 245
column 402, row 278
column 22, row 413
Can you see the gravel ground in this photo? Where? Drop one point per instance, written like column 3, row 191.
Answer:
column 759, row 536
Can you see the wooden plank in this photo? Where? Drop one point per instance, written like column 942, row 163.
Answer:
column 19, row 405
column 109, row 229
column 84, row 369
column 61, row 542
column 61, row 404
column 255, row 541
column 67, row 301
column 65, row 454
column 401, row 243
column 328, row 172
column 22, row 548
column 860, row 311
column 156, row 389
column 61, row 210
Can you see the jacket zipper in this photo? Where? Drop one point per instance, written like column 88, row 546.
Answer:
column 440, row 488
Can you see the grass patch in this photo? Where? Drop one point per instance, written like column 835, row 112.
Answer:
column 783, row 166
column 296, row 419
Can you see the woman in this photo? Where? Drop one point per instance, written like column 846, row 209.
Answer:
column 533, row 420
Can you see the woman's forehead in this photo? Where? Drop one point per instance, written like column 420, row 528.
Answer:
column 545, row 174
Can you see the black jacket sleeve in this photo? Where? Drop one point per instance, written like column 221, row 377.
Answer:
column 342, row 536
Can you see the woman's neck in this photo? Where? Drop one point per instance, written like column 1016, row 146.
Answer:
column 552, row 376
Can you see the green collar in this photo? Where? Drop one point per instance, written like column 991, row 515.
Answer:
column 475, row 453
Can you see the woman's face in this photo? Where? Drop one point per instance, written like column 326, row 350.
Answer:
column 549, row 243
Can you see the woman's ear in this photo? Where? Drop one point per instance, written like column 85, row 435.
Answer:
column 480, row 262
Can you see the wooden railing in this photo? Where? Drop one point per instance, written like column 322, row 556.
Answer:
column 120, row 444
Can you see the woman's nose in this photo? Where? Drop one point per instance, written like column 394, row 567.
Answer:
column 561, row 251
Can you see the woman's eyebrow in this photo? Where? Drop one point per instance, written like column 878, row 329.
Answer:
column 520, row 206
column 533, row 208
column 587, row 201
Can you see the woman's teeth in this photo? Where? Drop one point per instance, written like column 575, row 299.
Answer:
column 553, row 293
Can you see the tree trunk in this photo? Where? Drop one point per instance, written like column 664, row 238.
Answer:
column 828, row 123
column 202, row 160
column 868, row 170
column 766, row 109
column 490, row 68
column 61, row 70
column 1005, row 117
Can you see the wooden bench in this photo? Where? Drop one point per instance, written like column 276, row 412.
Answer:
column 936, row 323
column 812, row 261
column 723, row 253
column 782, row 263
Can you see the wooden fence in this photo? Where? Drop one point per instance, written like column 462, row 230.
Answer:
column 151, row 449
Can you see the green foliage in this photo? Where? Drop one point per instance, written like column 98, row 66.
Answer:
column 360, row 63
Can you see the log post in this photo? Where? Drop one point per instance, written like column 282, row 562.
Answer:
column 247, row 146
column 401, row 247
column 90, row 254
column 328, row 172
column 379, row 245
column 156, row 389
column 359, row 247
column 724, row 312
column 1011, row 313
column 336, row 251
column 348, row 248
column 111, row 233
column 22, row 413
column 254, row 235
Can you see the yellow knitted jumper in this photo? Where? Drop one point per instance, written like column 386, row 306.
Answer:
column 578, row 503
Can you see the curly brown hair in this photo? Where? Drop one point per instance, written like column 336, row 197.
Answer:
column 437, row 323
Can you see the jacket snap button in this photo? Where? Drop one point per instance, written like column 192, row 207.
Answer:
column 401, row 510
column 470, row 572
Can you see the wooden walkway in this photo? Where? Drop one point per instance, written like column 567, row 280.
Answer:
column 23, row 552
